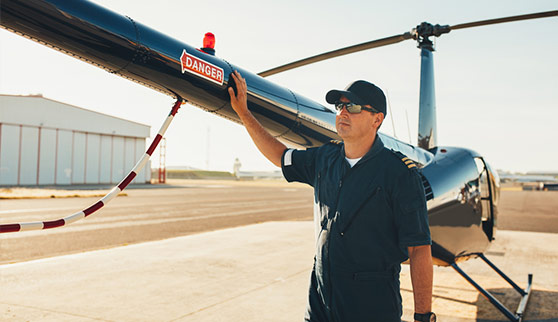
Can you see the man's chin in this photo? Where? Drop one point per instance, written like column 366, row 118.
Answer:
column 343, row 134
column 343, row 129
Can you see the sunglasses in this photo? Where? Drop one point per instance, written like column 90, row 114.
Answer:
column 353, row 108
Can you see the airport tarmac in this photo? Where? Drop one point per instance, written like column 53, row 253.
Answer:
column 149, row 212
column 251, row 272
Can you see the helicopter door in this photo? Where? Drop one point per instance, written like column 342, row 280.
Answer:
column 486, row 193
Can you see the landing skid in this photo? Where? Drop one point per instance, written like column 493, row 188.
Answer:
column 518, row 316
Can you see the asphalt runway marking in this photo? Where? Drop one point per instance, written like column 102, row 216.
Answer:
column 14, row 211
column 133, row 223
column 200, row 205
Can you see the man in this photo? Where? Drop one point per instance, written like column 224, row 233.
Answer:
column 372, row 211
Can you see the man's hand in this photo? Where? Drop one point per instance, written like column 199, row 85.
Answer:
column 239, row 101
column 269, row 146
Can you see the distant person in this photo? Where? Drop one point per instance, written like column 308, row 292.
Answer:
column 236, row 167
column 372, row 211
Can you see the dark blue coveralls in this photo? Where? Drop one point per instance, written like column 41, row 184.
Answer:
column 370, row 214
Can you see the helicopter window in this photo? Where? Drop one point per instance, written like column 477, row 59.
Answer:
column 484, row 189
column 494, row 184
column 480, row 164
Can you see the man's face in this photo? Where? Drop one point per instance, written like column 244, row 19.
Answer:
column 351, row 127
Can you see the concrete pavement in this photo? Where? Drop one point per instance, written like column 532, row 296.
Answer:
column 252, row 273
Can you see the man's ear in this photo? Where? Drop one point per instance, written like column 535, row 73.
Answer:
column 379, row 119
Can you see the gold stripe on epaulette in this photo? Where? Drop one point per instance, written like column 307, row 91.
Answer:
column 408, row 162
column 336, row 141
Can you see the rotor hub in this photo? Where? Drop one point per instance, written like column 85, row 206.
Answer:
column 425, row 30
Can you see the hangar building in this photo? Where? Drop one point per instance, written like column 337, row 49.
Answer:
column 45, row 142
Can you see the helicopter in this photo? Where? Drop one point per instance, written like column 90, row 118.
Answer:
column 461, row 188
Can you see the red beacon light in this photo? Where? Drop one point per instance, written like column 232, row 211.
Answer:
column 209, row 43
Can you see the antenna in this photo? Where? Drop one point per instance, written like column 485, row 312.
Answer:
column 408, row 127
column 391, row 114
column 207, row 149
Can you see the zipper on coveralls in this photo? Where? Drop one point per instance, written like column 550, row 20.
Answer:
column 332, row 316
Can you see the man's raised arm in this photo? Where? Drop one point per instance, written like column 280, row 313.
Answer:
column 269, row 146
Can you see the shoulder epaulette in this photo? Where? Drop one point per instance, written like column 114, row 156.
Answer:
column 408, row 162
column 336, row 142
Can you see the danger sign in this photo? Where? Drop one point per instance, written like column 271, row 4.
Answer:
column 201, row 68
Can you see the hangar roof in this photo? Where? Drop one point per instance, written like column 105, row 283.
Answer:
column 35, row 110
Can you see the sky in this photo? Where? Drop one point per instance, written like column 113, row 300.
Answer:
column 496, row 86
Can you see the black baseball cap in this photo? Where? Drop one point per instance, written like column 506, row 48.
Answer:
column 362, row 93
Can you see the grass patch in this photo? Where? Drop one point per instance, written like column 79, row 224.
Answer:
column 196, row 174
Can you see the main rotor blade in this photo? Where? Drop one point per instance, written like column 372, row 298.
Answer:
column 506, row 19
column 339, row 52
column 395, row 39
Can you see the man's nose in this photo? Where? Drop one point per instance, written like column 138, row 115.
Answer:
column 344, row 111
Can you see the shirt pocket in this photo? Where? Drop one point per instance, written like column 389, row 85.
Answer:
column 376, row 194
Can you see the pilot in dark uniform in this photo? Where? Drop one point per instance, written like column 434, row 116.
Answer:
column 369, row 214
column 372, row 212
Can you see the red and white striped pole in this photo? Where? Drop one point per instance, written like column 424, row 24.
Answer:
column 38, row 225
